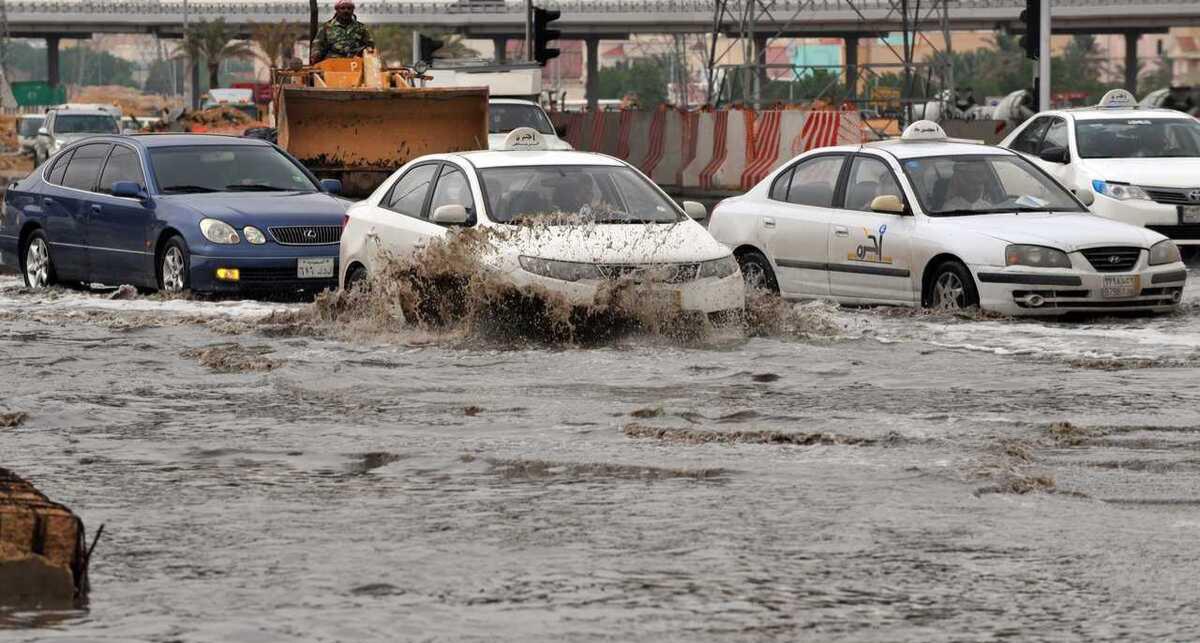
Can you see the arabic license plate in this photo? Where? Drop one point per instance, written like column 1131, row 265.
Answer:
column 1116, row 286
column 1189, row 214
column 314, row 268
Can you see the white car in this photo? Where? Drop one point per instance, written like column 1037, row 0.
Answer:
column 929, row 221
column 619, row 224
column 1143, row 164
column 508, row 114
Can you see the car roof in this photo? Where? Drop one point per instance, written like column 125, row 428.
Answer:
column 1100, row 113
column 510, row 101
column 505, row 158
column 917, row 149
column 177, row 139
column 83, row 111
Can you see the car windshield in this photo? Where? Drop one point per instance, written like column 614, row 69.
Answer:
column 30, row 125
column 226, row 168
column 984, row 184
column 85, row 124
column 1121, row 138
column 574, row 194
column 506, row 117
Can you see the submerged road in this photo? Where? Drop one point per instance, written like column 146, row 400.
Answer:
column 868, row 475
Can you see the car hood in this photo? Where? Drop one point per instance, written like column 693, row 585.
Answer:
column 496, row 142
column 263, row 209
column 1067, row 232
column 1163, row 173
column 615, row 243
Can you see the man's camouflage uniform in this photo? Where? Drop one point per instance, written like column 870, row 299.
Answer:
column 335, row 40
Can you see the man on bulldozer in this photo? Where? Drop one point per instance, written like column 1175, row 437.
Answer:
column 342, row 37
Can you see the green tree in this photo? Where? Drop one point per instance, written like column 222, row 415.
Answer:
column 77, row 65
column 1162, row 75
column 275, row 40
column 394, row 44
column 646, row 77
column 213, row 43
column 1079, row 68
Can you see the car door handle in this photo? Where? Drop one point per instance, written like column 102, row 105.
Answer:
column 47, row 200
column 768, row 222
column 96, row 208
column 841, row 231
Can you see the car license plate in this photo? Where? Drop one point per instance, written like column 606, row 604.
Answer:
column 1189, row 214
column 1116, row 286
column 315, row 268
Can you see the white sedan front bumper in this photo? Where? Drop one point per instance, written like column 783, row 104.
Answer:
column 708, row 295
column 1019, row 290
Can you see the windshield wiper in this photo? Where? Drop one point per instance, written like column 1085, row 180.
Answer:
column 961, row 212
column 187, row 188
column 256, row 187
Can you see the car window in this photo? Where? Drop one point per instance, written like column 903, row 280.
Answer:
column 779, row 188
column 55, row 175
column 1056, row 136
column 239, row 167
column 506, row 117
column 123, row 165
column 965, row 185
column 452, row 189
column 408, row 195
column 574, row 194
column 1138, row 138
column 85, row 166
column 85, row 124
column 869, row 178
column 1029, row 138
column 640, row 197
column 814, row 181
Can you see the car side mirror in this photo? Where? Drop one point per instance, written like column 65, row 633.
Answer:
column 332, row 186
column 695, row 210
column 128, row 190
column 887, row 203
column 450, row 214
column 1056, row 155
column 1085, row 195
column 43, row 132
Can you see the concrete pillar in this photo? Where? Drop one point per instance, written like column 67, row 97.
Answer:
column 760, row 74
column 52, row 61
column 851, row 76
column 1131, row 59
column 593, row 71
column 500, row 43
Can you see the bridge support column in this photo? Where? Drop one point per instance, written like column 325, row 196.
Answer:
column 500, row 43
column 593, row 71
column 851, row 74
column 760, row 71
column 1131, row 60
column 52, row 61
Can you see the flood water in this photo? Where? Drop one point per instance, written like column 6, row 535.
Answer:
column 889, row 476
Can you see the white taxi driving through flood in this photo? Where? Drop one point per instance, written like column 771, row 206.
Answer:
column 925, row 220
column 1142, row 164
column 569, row 222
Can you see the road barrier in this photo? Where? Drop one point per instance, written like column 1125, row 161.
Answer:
column 708, row 150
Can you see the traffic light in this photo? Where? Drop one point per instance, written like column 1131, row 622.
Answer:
column 542, row 34
column 426, row 47
column 1032, row 18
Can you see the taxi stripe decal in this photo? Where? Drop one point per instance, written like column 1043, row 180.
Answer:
column 843, row 267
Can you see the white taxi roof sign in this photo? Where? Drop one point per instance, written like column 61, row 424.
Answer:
column 1118, row 99
column 924, row 131
column 524, row 138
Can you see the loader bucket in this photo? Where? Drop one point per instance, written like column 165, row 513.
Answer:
column 361, row 135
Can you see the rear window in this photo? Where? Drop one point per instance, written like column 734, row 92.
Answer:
column 55, row 175
column 84, row 167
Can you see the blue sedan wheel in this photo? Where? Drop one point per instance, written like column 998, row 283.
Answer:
column 39, row 268
column 172, row 267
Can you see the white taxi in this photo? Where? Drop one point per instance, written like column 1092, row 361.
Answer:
column 925, row 220
column 508, row 114
column 1142, row 164
column 569, row 222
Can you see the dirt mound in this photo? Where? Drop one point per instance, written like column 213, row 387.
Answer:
column 132, row 102
column 234, row 358
column 43, row 559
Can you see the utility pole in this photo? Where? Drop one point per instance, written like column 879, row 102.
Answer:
column 193, row 64
column 528, row 30
column 1044, row 56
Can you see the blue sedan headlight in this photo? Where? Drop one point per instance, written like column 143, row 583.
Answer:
column 218, row 231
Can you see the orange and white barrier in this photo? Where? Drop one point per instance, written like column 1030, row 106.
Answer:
column 637, row 144
column 655, row 142
column 765, row 148
column 690, row 130
column 709, row 139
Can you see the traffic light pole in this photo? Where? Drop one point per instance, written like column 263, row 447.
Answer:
column 1043, row 62
column 528, row 30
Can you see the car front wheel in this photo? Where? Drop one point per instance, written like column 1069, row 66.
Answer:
column 35, row 256
column 757, row 272
column 951, row 288
column 173, row 273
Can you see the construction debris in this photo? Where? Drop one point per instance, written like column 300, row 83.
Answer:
column 43, row 558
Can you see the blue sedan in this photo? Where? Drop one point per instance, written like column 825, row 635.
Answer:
column 174, row 212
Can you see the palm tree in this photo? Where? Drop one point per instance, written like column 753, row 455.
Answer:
column 394, row 43
column 276, row 40
column 212, row 42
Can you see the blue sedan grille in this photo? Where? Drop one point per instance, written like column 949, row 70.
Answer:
column 307, row 235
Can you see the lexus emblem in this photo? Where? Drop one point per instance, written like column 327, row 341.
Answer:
column 1194, row 195
column 1114, row 259
column 309, row 233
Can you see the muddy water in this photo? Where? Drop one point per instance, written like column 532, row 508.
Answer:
column 910, row 477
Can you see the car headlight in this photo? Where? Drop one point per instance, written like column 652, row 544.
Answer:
column 254, row 235
column 1119, row 191
column 218, row 231
column 719, row 268
column 1164, row 252
column 1036, row 256
column 564, row 270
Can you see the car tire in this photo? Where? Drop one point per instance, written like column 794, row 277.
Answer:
column 951, row 288
column 757, row 271
column 37, row 266
column 174, row 277
column 356, row 278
